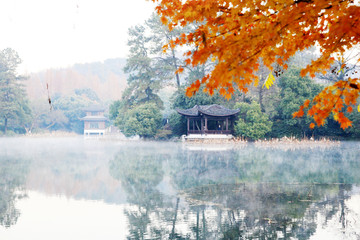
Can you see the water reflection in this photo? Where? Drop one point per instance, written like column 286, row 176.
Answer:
column 171, row 191
column 250, row 193
column 266, row 211
column 13, row 173
column 140, row 172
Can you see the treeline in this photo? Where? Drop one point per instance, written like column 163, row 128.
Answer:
column 146, row 107
column 106, row 79
column 19, row 115
column 264, row 113
column 53, row 100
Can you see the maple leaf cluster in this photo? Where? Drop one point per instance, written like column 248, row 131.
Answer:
column 332, row 100
column 237, row 33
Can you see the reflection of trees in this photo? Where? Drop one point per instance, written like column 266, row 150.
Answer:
column 13, row 173
column 302, row 187
column 258, row 211
column 140, row 173
column 308, row 166
column 250, row 193
column 193, row 168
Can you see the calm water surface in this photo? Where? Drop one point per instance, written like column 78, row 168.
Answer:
column 73, row 188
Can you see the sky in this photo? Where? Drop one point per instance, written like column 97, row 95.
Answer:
column 60, row 33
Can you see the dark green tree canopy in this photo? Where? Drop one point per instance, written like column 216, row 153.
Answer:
column 143, row 120
column 14, row 109
column 252, row 123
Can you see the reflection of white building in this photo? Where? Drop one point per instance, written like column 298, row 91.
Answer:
column 94, row 121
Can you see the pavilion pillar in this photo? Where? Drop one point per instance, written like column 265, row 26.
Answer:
column 227, row 124
column 206, row 123
column 188, row 125
column 202, row 124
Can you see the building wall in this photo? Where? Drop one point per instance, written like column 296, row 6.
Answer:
column 90, row 125
column 102, row 125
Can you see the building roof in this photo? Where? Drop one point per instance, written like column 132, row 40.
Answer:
column 94, row 118
column 210, row 110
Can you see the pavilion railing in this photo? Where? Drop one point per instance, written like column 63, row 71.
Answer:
column 209, row 132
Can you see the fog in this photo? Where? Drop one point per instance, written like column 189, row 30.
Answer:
column 167, row 190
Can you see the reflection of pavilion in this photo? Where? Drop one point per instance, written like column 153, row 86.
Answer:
column 209, row 119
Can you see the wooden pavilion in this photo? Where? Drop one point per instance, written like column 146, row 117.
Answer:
column 209, row 119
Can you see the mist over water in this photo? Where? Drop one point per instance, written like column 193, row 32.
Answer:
column 71, row 188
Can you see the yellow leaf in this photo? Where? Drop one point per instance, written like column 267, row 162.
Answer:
column 269, row 81
column 359, row 108
column 341, row 70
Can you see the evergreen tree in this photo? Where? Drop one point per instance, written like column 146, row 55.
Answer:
column 159, row 36
column 294, row 90
column 14, row 107
column 145, row 77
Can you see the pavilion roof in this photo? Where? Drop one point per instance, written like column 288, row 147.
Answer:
column 210, row 110
column 94, row 108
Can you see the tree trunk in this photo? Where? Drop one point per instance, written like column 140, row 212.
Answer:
column 50, row 125
column 174, row 221
column 342, row 205
column 204, row 224
column 176, row 67
column 197, row 224
column 261, row 95
column 5, row 125
column 27, row 130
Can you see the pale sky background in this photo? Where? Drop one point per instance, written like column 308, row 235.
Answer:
column 60, row 33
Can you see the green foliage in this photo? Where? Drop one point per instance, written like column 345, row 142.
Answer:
column 23, row 119
column 252, row 123
column 160, row 35
column 143, row 120
column 180, row 100
column 146, row 75
column 279, row 105
column 294, row 90
column 177, row 124
column 114, row 109
column 163, row 134
column 71, row 107
column 45, row 118
column 14, row 108
column 87, row 92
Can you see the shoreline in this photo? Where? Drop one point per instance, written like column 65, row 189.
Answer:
column 232, row 141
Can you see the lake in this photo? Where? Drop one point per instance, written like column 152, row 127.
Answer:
column 71, row 188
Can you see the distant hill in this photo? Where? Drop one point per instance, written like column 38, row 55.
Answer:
column 106, row 78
